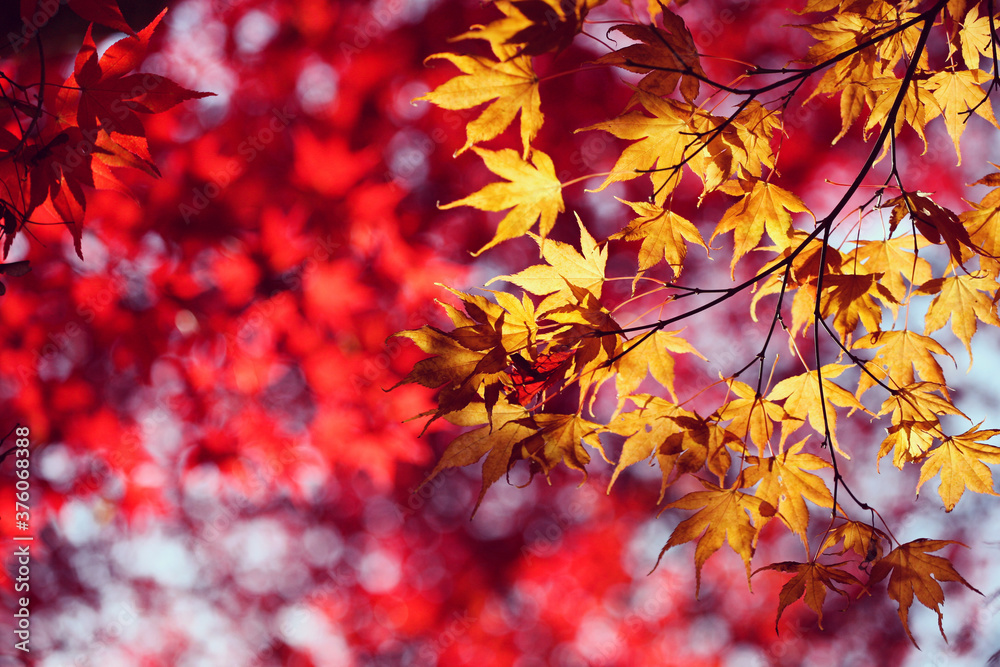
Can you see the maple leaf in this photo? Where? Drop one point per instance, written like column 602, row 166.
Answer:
column 534, row 26
column 975, row 37
column 102, row 97
column 663, row 233
column 700, row 443
column 983, row 221
column 751, row 414
column 962, row 299
column 458, row 370
column 960, row 460
column 662, row 54
column 105, row 12
column 958, row 92
column 532, row 190
column 849, row 300
column 861, row 538
column 764, row 207
column 915, row 423
column 511, row 424
column 914, row 571
column 647, row 429
column 919, row 106
column 528, row 380
column 661, row 143
column 810, row 583
column 785, row 485
column 802, row 401
column 899, row 353
column 566, row 267
column 551, row 27
column 656, row 355
column 725, row 515
column 934, row 222
column 894, row 260
column 509, row 80
column 563, row 437
column 853, row 99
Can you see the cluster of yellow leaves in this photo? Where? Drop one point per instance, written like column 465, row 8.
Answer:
column 512, row 367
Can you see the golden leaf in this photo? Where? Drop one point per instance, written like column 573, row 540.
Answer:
column 765, row 207
column 785, row 485
column 725, row 515
column 663, row 233
column 914, row 571
column 810, row 583
column 959, row 459
column 958, row 92
column 509, row 80
column 532, row 190
column 962, row 299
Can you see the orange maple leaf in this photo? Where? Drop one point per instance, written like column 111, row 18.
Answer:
column 763, row 207
column 916, row 572
column 810, row 583
column 785, row 485
column 726, row 515
column 663, row 233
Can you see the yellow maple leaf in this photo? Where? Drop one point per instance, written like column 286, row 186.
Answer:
column 563, row 437
column 700, row 443
column 511, row 424
column 915, row 421
column 646, row 428
column 810, row 583
column 853, row 98
column 453, row 363
column 967, row 300
column 751, row 414
column 725, row 515
column 785, row 485
column 914, row 571
column 802, row 401
column 960, row 460
column 663, row 233
column 899, row 353
column 565, row 267
column 849, row 299
column 958, row 92
column 918, row 108
column 509, row 80
column 861, row 538
column 532, row 190
column 895, row 261
column 975, row 37
column 983, row 221
column 765, row 207
column 655, row 354
column 661, row 143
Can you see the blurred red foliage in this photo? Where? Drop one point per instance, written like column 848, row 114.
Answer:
column 217, row 473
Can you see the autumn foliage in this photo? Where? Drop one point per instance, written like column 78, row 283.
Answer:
column 218, row 470
column 553, row 363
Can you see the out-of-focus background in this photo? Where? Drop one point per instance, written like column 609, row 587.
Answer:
column 220, row 477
